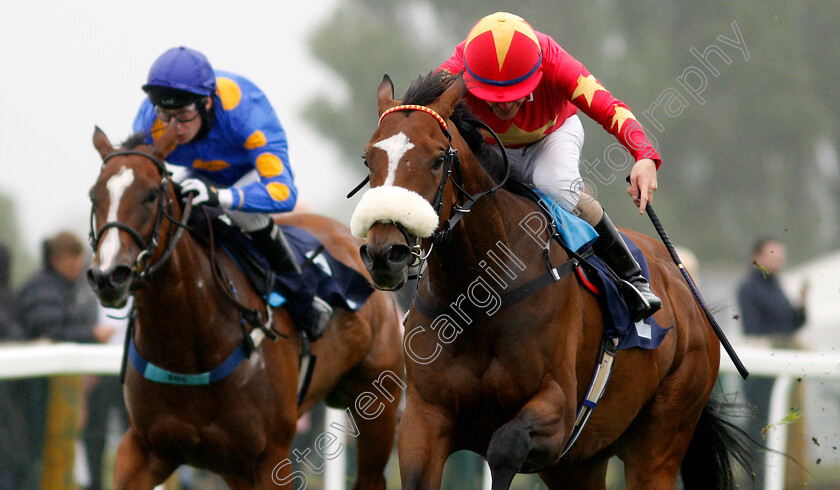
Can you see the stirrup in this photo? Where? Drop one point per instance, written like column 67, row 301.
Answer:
column 315, row 320
column 639, row 304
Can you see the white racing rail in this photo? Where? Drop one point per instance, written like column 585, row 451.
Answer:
column 19, row 360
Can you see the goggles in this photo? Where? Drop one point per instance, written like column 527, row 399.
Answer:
column 182, row 114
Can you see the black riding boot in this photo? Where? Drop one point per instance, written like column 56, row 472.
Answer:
column 634, row 288
column 272, row 243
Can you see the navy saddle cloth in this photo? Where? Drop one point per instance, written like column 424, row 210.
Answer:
column 646, row 334
column 322, row 274
column 579, row 236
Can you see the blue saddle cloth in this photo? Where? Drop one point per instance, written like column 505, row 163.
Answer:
column 325, row 276
column 579, row 236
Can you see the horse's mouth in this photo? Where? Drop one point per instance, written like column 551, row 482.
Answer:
column 112, row 289
column 388, row 283
column 112, row 298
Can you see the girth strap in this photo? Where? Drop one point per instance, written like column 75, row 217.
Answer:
column 551, row 276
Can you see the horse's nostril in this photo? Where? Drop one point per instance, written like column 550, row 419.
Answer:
column 367, row 257
column 398, row 256
column 93, row 279
column 120, row 275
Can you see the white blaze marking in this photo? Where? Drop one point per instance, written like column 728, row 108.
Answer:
column 396, row 146
column 111, row 242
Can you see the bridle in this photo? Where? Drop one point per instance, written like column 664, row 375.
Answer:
column 143, row 267
column 463, row 201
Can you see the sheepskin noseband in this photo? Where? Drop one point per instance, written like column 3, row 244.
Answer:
column 394, row 204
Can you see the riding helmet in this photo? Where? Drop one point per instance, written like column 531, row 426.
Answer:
column 502, row 58
column 179, row 77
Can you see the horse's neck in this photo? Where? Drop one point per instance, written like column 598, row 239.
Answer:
column 481, row 239
column 177, row 309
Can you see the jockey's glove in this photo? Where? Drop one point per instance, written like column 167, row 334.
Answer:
column 206, row 194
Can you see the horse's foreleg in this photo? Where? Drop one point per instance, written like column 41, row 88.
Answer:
column 424, row 443
column 535, row 435
column 506, row 453
column 136, row 469
column 586, row 475
column 273, row 470
column 374, row 445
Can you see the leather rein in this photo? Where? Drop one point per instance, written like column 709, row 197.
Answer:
column 143, row 267
column 464, row 200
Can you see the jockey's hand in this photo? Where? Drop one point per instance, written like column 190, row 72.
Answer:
column 203, row 193
column 642, row 183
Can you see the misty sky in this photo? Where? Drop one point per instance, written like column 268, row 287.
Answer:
column 68, row 66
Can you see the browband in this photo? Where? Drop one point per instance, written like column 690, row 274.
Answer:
column 415, row 107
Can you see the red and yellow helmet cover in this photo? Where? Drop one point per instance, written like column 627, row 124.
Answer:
column 502, row 58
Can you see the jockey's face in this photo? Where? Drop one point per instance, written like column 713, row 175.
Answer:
column 186, row 118
column 506, row 110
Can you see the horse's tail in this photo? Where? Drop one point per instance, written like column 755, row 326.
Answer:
column 715, row 446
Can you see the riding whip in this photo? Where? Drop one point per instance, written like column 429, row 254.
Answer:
column 742, row 370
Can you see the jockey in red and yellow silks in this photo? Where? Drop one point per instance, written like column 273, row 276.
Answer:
column 528, row 90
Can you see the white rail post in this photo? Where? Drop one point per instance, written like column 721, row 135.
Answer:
column 777, row 436
column 337, row 467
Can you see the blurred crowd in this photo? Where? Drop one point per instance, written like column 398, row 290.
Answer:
column 55, row 304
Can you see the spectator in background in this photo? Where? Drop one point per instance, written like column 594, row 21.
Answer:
column 9, row 327
column 56, row 304
column 13, row 441
column 769, row 317
column 770, row 320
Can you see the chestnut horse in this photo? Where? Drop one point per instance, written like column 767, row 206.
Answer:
column 240, row 426
column 506, row 380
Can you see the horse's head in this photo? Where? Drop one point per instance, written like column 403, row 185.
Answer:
column 129, row 201
column 410, row 157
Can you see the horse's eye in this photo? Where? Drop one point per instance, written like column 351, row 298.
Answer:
column 364, row 160
column 438, row 162
column 153, row 195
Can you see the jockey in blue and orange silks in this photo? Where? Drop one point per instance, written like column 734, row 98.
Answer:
column 524, row 86
column 234, row 149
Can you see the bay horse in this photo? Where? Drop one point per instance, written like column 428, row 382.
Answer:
column 240, row 426
column 506, row 380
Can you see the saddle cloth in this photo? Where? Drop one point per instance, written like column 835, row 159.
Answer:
column 322, row 275
column 579, row 236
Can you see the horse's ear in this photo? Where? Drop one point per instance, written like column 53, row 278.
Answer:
column 101, row 142
column 445, row 104
column 164, row 145
column 385, row 94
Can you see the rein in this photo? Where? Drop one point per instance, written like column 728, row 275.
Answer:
column 142, row 268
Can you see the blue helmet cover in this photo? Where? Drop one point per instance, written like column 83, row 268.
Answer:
column 182, row 69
